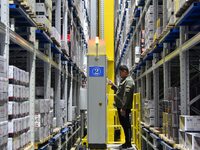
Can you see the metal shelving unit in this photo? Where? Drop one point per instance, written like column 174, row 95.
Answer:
column 171, row 61
column 54, row 64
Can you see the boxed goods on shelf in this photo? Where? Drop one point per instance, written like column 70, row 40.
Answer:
column 44, row 13
column 150, row 34
column 149, row 121
column 3, row 89
column 55, row 35
column 171, row 17
column 19, row 141
column 18, row 76
column 179, row 4
column 43, row 22
column 18, row 108
column 3, row 112
column 192, row 141
column 3, row 67
column 40, row 92
column 13, row 143
column 189, row 123
column 39, row 133
column 43, row 118
column 63, row 111
column 3, row 133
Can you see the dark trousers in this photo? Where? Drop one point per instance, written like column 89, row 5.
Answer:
column 126, row 125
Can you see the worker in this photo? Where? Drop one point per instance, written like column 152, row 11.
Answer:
column 123, row 102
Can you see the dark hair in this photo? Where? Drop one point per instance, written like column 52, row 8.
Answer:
column 123, row 67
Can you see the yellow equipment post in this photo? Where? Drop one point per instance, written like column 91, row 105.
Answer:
column 109, row 39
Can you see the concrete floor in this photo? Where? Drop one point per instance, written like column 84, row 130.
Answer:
column 116, row 146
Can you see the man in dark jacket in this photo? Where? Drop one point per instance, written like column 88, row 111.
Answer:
column 123, row 102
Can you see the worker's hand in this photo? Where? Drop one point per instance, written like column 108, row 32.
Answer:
column 122, row 112
column 110, row 82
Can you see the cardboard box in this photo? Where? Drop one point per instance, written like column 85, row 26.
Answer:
column 39, row 106
column 189, row 123
column 39, row 133
column 3, row 67
column 3, row 112
column 3, row 129
column 192, row 141
column 12, row 126
column 41, row 9
column 54, row 122
column 12, row 108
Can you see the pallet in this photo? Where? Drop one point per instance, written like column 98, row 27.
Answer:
column 43, row 28
column 167, row 29
column 25, row 6
column 179, row 146
column 184, row 7
column 155, row 130
column 28, row 146
column 55, row 41
column 56, row 130
column 166, row 139
column 37, row 144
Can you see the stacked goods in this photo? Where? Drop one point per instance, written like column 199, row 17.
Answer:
column 171, row 17
column 18, row 108
column 43, row 118
column 171, row 114
column 3, row 104
column 30, row 5
column 63, row 112
column 44, row 13
column 44, row 115
column 179, row 7
column 189, row 132
column 149, row 112
column 149, row 25
column 142, row 41
column 55, row 36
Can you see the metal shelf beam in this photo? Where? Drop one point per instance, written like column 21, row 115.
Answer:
column 15, row 38
column 186, row 46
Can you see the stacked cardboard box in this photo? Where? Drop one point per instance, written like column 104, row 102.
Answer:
column 149, row 112
column 179, row 5
column 171, row 17
column 43, row 118
column 149, row 25
column 171, row 114
column 39, row 92
column 63, row 112
column 189, row 133
column 55, row 36
column 3, row 104
column 18, row 108
column 44, row 13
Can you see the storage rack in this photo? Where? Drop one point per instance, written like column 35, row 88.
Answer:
column 164, row 64
column 54, row 62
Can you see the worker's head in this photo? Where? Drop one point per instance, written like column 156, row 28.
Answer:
column 123, row 69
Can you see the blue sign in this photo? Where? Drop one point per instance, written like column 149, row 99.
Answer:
column 96, row 71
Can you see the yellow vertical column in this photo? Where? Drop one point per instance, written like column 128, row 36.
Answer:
column 109, row 39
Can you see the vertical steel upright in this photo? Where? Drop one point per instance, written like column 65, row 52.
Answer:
column 5, row 40
column 156, row 92
column 148, row 82
column 58, row 72
column 47, row 73
column 166, row 65
column 93, row 17
column 70, row 82
column 184, row 75
column 58, row 91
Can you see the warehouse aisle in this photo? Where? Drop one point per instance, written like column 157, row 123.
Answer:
column 57, row 58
